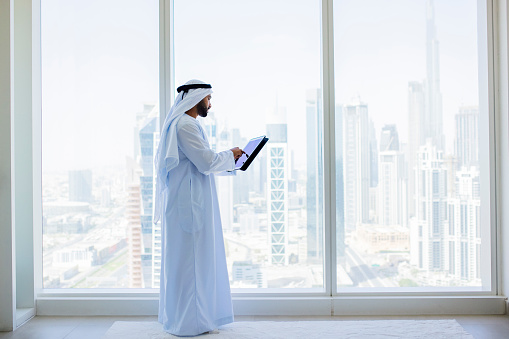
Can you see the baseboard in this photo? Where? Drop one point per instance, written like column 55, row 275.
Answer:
column 440, row 305
column 282, row 306
column 143, row 306
column 23, row 315
column 82, row 306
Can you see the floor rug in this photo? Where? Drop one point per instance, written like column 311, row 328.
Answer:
column 372, row 329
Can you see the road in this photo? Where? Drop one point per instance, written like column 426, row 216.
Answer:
column 361, row 273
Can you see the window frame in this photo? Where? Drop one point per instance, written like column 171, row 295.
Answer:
column 278, row 301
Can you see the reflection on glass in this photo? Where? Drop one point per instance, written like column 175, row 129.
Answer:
column 408, row 203
column 99, row 95
column 263, row 61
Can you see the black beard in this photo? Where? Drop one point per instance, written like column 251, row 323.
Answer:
column 202, row 109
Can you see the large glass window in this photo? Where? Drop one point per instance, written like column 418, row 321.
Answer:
column 407, row 144
column 410, row 95
column 100, row 78
column 263, row 61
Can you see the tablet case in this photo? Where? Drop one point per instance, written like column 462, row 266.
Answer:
column 254, row 153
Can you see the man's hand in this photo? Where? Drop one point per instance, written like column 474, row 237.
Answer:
column 237, row 152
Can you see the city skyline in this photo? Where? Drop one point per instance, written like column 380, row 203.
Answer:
column 403, row 203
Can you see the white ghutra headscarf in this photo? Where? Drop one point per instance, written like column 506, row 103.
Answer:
column 167, row 156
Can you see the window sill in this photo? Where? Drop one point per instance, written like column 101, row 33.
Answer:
column 265, row 305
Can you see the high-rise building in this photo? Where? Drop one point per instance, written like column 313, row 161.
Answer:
column 415, row 138
column 156, row 237
column 356, row 164
column 463, row 236
column 433, row 97
column 466, row 142
column 134, row 235
column 314, row 187
column 147, row 136
column 277, row 188
column 424, row 107
column 147, row 130
column 391, row 181
column 80, row 185
column 428, row 227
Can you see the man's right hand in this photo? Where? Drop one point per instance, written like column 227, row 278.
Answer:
column 237, row 152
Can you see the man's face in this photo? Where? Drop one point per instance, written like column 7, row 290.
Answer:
column 204, row 106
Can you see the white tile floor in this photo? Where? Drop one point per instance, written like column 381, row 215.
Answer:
column 481, row 327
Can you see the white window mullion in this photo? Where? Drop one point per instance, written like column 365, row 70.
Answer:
column 496, row 83
column 329, row 151
column 166, row 58
column 37, row 144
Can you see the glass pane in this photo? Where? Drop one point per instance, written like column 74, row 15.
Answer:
column 100, row 92
column 408, row 117
column 263, row 61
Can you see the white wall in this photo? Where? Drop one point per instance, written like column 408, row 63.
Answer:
column 502, row 130
column 22, row 154
column 7, row 299
column 17, row 302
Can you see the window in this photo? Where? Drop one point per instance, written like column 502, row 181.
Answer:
column 100, row 110
column 408, row 207
column 263, row 61
column 407, row 81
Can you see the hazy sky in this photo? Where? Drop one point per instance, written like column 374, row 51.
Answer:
column 101, row 58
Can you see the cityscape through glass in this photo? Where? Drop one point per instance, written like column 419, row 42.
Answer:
column 263, row 61
column 407, row 144
column 100, row 88
column 408, row 110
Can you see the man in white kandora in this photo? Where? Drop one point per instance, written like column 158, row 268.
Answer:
column 195, row 291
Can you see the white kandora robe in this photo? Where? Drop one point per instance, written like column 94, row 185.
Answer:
column 194, row 286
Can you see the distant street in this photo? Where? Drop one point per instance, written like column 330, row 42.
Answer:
column 361, row 273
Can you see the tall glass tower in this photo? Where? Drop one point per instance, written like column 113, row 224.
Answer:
column 314, row 187
column 356, row 164
column 148, row 127
column 277, row 189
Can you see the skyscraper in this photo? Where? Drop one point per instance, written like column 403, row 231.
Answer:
column 277, row 188
column 433, row 104
column 314, row 187
column 466, row 143
column 425, row 106
column 356, row 164
column 391, row 182
column 428, row 228
column 134, row 240
column 80, row 185
column 463, row 239
column 133, row 214
column 147, row 128
column 156, row 236
column 416, row 138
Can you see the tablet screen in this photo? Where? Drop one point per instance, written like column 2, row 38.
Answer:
column 250, row 147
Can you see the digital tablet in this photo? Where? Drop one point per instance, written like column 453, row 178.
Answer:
column 253, row 147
